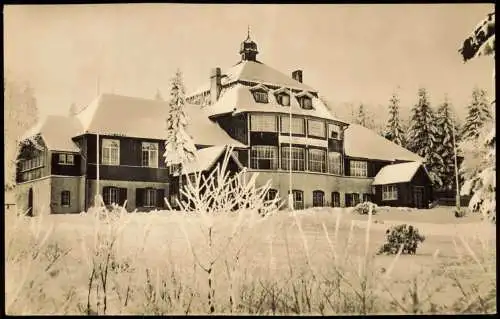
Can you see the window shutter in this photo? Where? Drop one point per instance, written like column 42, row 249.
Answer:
column 160, row 194
column 139, row 197
column 123, row 195
column 105, row 195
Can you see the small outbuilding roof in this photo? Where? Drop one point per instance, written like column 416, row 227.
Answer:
column 361, row 142
column 56, row 131
column 397, row 173
column 206, row 159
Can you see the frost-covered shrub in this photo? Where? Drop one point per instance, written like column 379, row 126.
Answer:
column 404, row 235
column 364, row 208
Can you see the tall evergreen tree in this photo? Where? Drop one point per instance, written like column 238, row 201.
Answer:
column 179, row 146
column 361, row 117
column 477, row 114
column 394, row 130
column 21, row 113
column 422, row 135
column 445, row 143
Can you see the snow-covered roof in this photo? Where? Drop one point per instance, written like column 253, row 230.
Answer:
column 258, row 72
column 145, row 118
column 362, row 142
column 239, row 98
column 397, row 173
column 206, row 158
column 56, row 131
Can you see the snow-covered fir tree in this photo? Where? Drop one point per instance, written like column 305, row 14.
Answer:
column 445, row 143
column 393, row 130
column 478, row 112
column 20, row 114
column 361, row 115
column 479, row 167
column 422, row 136
column 179, row 146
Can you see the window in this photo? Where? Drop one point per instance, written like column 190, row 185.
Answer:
column 358, row 168
column 318, row 199
column 150, row 154
column 283, row 99
column 263, row 123
column 149, row 197
column 366, row 197
column 271, row 194
column 264, row 157
column 298, row 199
column 298, row 158
column 316, row 128
column 260, row 97
column 110, row 152
column 174, row 169
column 317, row 160
column 70, row 159
column 335, row 199
column 355, row 199
column 305, row 102
column 62, row 159
column 298, row 125
column 389, row 192
column 65, row 198
column 334, row 131
column 335, row 163
column 111, row 195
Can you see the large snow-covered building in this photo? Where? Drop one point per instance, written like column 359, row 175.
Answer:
column 246, row 106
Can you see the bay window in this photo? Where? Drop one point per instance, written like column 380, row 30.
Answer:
column 263, row 123
column 335, row 163
column 317, row 160
column 298, row 158
column 298, row 125
column 316, row 128
column 264, row 157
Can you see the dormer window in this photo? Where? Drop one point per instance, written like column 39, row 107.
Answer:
column 283, row 99
column 260, row 97
column 282, row 96
column 305, row 100
column 260, row 93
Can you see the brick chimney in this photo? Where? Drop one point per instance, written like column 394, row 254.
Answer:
column 297, row 75
column 215, row 84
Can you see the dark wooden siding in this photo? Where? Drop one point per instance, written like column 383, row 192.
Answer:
column 263, row 138
column 335, row 145
column 130, row 149
column 67, row 170
column 127, row 173
column 235, row 126
column 243, row 157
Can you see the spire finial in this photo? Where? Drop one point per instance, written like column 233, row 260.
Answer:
column 248, row 32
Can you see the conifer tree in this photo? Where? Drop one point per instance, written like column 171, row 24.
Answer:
column 422, row 135
column 394, row 130
column 21, row 113
column 478, row 112
column 361, row 115
column 445, row 147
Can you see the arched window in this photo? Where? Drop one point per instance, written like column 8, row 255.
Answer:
column 335, row 199
column 318, row 198
column 298, row 199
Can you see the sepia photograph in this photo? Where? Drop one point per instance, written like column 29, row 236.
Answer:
column 249, row 159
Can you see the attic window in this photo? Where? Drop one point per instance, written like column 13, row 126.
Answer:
column 260, row 96
column 283, row 99
column 305, row 102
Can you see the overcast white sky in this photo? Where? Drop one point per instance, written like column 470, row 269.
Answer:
column 350, row 53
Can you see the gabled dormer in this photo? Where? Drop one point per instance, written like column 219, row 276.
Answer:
column 260, row 93
column 305, row 100
column 282, row 96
